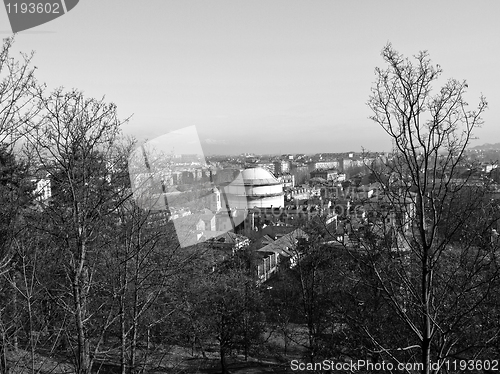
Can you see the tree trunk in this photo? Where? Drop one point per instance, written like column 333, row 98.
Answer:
column 30, row 314
column 246, row 339
column 426, row 330
column 223, row 360
column 80, row 288
column 123, row 320
column 83, row 362
column 133, row 348
column 15, row 316
column 285, row 340
column 4, row 366
column 123, row 333
column 135, row 317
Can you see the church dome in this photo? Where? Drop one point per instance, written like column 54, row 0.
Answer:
column 258, row 177
column 255, row 187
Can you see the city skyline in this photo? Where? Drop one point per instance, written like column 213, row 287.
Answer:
column 260, row 77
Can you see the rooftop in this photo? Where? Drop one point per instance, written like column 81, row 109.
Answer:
column 257, row 176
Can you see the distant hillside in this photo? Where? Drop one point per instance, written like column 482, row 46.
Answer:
column 487, row 147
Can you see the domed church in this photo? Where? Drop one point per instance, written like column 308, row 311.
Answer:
column 255, row 187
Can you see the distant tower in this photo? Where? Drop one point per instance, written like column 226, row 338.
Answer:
column 215, row 202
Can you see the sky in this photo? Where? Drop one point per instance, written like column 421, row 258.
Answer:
column 261, row 76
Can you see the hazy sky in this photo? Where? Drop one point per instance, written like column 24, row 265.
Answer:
column 261, row 76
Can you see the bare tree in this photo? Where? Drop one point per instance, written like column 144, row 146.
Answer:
column 15, row 197
column 437, row 284
column 17, row 90
column 145, row 260
column 74, row 141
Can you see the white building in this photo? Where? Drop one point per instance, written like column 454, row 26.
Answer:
column 42, row 189
column 255, row 187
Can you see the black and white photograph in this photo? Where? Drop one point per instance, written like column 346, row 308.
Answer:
column 249, row 186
